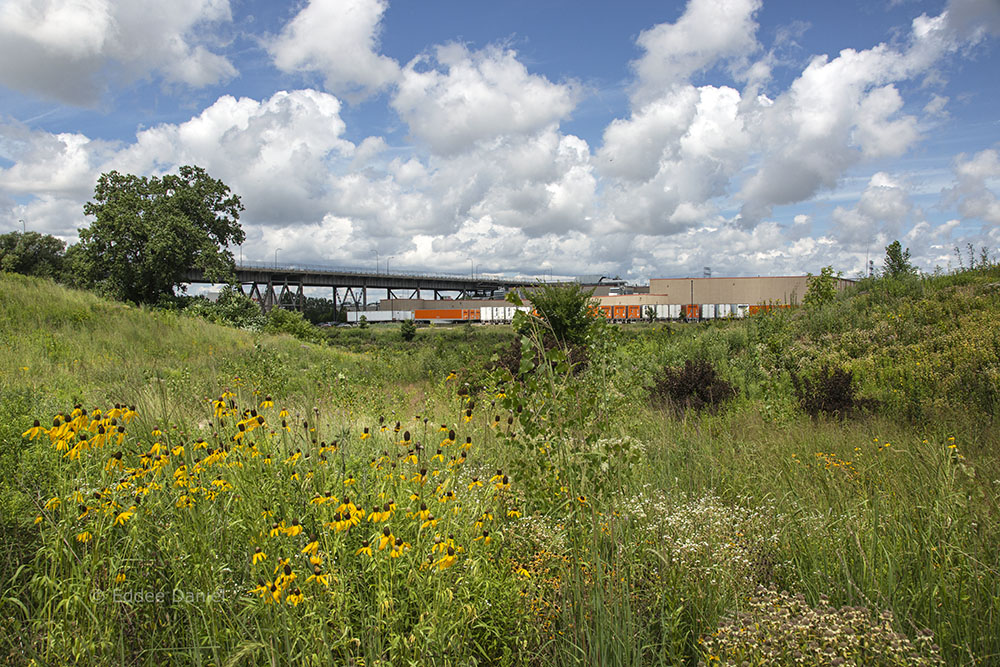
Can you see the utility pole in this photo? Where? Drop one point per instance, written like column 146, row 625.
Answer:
column 276, row 257
column 376, row 261
column 22, row 227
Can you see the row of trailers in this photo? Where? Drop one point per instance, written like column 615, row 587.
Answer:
column 488, row 314
column 687, row 311
column 616, row 313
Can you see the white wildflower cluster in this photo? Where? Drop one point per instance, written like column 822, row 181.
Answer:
column 720, row 542
column 780, row 628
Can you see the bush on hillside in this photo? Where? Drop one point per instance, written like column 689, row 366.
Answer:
column 231, row 308
column 567, row 310
column 291, row 322
column 408, row 330
column 829, row 391
column 696, row 385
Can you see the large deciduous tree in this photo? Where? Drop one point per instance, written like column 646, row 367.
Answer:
column 149, row 231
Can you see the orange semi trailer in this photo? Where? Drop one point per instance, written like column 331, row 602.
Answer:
column 451, row 314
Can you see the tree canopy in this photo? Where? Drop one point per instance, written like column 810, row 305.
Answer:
column 150, row 230
column 897, row 261
column 32, row 254
column 822, row 289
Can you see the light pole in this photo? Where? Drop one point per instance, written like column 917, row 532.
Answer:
column 276, row 257
column 387, row 263
column 472, row 268
column 376, row 261
column 22, row 227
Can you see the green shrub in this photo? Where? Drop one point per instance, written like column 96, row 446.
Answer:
column 695, row 385
column 829, row 391
column 822, row 288
column 567, row 310
column 408, row 330
column 292, row 322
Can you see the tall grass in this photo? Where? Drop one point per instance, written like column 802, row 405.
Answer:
column 629, row 535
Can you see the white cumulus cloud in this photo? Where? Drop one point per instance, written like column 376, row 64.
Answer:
column 72, row 50
column 457, row 98
column 709, row 31
column 339, row 40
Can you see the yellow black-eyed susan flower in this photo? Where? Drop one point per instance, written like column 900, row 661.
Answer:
column 294, row 529
column 294, row 598
column 318, row 576
column 259, row 555
column 386, row 539
column 312, row 546
column 447, row 560
column 35, row 431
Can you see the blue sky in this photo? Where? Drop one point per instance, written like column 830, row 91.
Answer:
column 641, row 139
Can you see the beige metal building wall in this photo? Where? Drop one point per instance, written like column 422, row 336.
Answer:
column 787, row 290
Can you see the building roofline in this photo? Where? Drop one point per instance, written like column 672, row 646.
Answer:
column 850, row 280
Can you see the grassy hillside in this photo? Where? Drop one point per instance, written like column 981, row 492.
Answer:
column 557, row 516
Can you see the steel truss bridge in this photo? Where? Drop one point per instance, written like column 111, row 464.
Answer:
column 282, row 286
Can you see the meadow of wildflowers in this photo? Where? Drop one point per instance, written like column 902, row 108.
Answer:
column 177, row 492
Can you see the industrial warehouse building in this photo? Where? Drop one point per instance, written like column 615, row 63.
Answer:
column 783, row 290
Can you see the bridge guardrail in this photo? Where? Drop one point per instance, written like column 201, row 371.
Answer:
column 317, row 268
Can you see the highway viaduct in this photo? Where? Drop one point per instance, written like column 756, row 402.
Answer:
column 283, row 286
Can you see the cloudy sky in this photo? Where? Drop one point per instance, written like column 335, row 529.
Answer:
column 641, row 139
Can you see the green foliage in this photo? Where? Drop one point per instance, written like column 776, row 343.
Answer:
column 231, row 308
column 567, row 309
column 319, row 310
column 32, row 254
column 897, row 261
column 362, row 322
column 239, row 310
column 291, row 322
column 149, row 231
column 408, row 330
column 821, row 289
